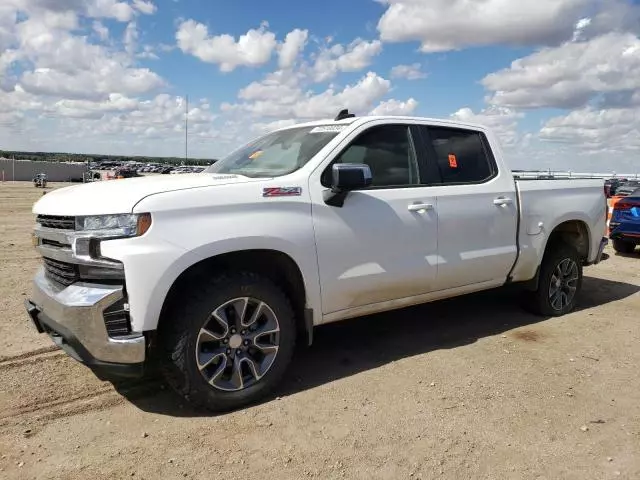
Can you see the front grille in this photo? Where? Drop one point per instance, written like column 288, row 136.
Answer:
column 57, row 222
column 61, row 272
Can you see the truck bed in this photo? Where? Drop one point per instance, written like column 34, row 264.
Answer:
column 545, row 204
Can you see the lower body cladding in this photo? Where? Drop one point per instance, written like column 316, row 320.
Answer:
column 80, row 318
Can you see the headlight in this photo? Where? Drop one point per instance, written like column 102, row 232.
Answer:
column 115, row 226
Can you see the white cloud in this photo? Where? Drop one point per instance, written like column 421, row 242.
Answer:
column 148, row 53
column 127, row 125
column 89, row 109
column 502, row 121
column 357, row 98
column 395, row 107
column 281, row 86
column 356, row 56
column 7, row 26
column 57, row 62
column 409, row 72
column 293, row 45
column 145, row 7
column 268, row 99
column 112, row 76
column 441, row 25
column 67, row 65
column 608, row 131
column 252, row 49
column 120, row 11
column 130, row 39
column 101, row 30
column 569, row 75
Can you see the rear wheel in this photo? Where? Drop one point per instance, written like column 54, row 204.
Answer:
column 559, row 283
column 228, row 342
column 623, row 246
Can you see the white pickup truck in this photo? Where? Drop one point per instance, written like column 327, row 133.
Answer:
column 216, row 275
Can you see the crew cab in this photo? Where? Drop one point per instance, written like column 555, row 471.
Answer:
column 214, row 276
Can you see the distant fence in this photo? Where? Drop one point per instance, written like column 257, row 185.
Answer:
column 570, row 174
column 25, row 170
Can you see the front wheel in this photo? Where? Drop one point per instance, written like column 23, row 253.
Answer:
column 623, row 246
column 559, row 284
column 227, row 342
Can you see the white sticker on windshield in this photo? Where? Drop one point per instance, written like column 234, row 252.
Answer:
column 327, row 129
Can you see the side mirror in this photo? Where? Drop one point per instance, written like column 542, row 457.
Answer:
column 347, row 177
column 350, row 176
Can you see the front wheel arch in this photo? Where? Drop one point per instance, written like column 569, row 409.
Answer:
column 275, row 265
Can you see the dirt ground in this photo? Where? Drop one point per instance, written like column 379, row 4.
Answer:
column 466, row 388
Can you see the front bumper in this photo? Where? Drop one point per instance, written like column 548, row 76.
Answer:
column 73, row 318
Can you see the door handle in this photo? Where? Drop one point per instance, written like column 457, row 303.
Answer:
column 502, row 201
column 420, row 207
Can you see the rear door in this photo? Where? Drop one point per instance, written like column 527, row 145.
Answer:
column 477, row 209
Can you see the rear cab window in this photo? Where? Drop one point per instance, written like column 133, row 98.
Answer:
column 462, row 156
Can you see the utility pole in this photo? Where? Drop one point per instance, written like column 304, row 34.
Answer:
column 186, row 130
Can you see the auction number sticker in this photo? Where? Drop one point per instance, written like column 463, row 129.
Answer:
column 327, row 129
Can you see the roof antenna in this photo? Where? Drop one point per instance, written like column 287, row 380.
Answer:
column 344, row 114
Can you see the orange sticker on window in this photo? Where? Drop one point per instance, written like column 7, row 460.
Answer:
column 453, row 162
column 255, row 155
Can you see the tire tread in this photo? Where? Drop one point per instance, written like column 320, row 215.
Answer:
column 174, row 333
column 537, row 302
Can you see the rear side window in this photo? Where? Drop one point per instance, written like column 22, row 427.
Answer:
column 461, row 155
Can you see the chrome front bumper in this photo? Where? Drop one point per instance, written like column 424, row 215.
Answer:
column 73, row 317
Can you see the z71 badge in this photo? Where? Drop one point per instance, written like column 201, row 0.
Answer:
column 282, row 191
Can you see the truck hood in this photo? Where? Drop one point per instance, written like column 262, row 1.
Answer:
column 120, row 196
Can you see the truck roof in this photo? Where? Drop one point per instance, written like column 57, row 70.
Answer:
column 356, row 121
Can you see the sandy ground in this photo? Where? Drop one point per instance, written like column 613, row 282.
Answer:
column 467, row 388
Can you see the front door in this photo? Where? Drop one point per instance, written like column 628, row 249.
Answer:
column 381, row 245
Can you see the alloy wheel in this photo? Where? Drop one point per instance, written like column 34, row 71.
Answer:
column 564, row 284
column 238, row 344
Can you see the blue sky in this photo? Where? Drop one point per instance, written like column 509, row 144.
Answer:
column 559, row 80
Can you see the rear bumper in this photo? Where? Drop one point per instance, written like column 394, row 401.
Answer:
column 625, row 231
column 603, row 243
column 73, row 318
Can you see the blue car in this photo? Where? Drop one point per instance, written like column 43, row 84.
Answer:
column 624, row 226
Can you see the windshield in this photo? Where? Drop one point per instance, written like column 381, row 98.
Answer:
column 277, row 153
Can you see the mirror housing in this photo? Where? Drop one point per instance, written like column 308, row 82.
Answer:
column 350, row 176
column 345, row 178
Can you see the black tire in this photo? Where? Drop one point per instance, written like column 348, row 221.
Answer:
column 623, row 246
column 178, row 336
column 539, row 301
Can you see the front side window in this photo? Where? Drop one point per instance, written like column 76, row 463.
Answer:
column 460, row 155
column 388, row 151
column 277, row 153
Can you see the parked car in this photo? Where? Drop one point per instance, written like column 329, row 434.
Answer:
column 612, row 184
column 624, row 226
column 125, row 173
column 218, row 275
column 627, row 188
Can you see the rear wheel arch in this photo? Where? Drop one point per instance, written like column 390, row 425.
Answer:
column 574, row 233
